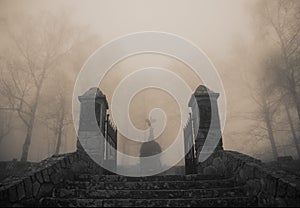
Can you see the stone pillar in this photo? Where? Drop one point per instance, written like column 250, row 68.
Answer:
column 92, row 118
column 206, row 100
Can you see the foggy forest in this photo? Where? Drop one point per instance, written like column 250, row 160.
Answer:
column 255, row 46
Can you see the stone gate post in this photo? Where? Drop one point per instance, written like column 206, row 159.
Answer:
column 206, row 100
column 93, row 109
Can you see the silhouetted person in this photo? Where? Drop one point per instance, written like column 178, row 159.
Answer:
column 150, row 148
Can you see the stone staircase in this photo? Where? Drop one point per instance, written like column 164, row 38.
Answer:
column 227, row 178
column 173, row 190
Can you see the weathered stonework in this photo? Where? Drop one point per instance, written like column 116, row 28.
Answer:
column 40, row 181
column 271, row 188
column 226, row 178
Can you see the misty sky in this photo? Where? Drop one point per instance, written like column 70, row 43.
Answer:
column 218, row 27
column 213, row 25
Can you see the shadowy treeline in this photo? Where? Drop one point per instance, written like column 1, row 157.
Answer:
column 276, row 91
column 39, row 62
column 41, row 56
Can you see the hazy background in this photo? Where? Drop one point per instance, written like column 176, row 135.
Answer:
column 226, row 30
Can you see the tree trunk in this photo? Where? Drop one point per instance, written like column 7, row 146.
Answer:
column 30, row 125
column 292, row 129
column 271, row 135
column 297, row 102
column 60, row 127
column 27, row 142
column 58, row 144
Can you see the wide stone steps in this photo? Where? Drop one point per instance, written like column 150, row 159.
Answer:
column 150, row 194
column 206, row 202
column 115, row 178
column 164, row 191
column 151, row 185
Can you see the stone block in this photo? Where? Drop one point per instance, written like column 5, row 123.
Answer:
column 253, row 187
column 291, row 191
column 258, row 173
column 272, row 186
column 210, row 170
column 28, row 187
column 32, row 178
column 21, row 191
column 56, row 178
column 13, row 194
column 249, row 169
column 282, row 188
column 39, row 177
column 50, row 170
column 235, row 165
column 35, row 188
column 45, row 176
column 242, row 176
column 66, row 193
column 57, row 166
column 219, row 165
column 45, row 190
column 263, row 184
column 71, row 158
column 63, row 164
column 67, row 162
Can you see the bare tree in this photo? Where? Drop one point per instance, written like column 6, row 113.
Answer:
column 267, row 102
column 5, row 124
column 290, row 121
column 59, row 114
column 61, row 121
column 281, row 20
column 273, row 71
column 39, row 47
column 5, row 117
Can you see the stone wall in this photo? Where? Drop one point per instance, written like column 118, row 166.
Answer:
column 14, row 167
column 40, row 181
column 272, row 188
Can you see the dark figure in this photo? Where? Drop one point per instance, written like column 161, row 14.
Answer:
column 150, row 148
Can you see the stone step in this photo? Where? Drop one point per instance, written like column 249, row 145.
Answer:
column 151, row 185
column 117, row 178
column 150, row 194
column 206, row 202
